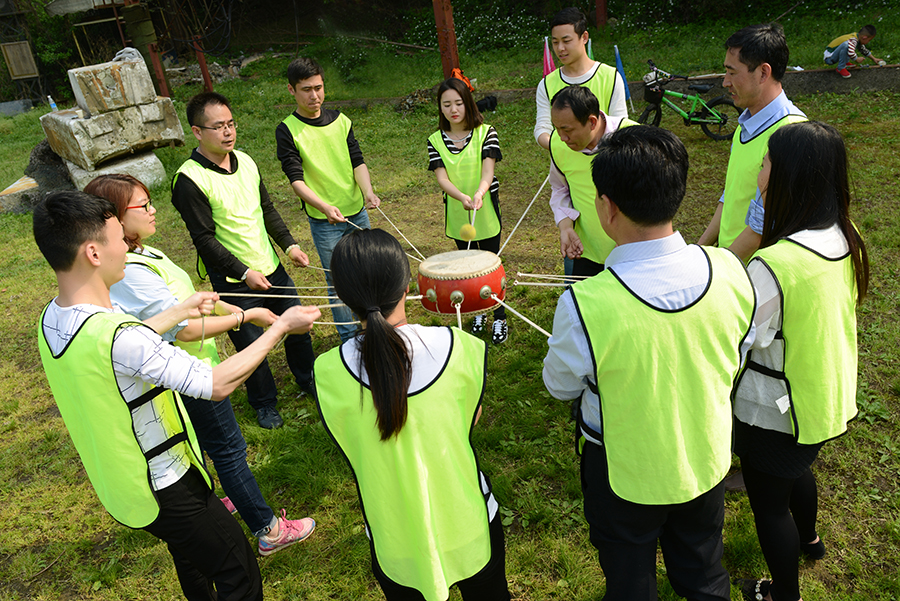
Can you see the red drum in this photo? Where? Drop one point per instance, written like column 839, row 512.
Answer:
column 464, row 277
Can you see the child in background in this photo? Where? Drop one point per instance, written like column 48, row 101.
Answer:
column 462, row 154
column 799, row 388
column 851, row 47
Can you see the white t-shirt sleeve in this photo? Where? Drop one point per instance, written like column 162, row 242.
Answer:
column 542, row 123
column 617, row 106
column 140, row 355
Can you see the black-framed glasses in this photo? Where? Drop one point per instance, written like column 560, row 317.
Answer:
column 146, row 206
column 220, row 127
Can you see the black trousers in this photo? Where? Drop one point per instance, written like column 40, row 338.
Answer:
column 625, row 535
column 489, row 584
column 213, row 559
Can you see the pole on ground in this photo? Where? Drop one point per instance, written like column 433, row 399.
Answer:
column 157, row 66
column 601, row 14
column 443, row 17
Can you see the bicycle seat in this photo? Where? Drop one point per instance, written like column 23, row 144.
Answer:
column 702, row 87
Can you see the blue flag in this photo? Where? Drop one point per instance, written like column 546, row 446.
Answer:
column 621, row 69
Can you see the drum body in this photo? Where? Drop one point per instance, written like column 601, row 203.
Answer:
column 464, row 277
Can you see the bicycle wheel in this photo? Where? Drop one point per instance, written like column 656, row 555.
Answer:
column 652, row 115
column 723, row 130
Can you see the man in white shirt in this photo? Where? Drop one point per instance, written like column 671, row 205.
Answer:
column 116, row 383
column 569, row 37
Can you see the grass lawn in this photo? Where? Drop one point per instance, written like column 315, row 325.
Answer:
column 56, row 541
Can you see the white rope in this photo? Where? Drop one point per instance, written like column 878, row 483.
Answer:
column 202, row 330
column 298, row 287
column 557, row 284
column 472, row 223
column 251, row 295
column 359, row 227
column 412, row 257
column 523, row 215
column 337, row 323
column 317, row 267
column 330, row 306
column 458, row 315
column 401, row 233
column 520, row 316
column 548, row 276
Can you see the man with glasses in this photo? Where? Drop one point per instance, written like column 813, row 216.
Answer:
column 228, row 212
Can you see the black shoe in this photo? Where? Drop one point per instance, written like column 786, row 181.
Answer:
column 814, row 550
column 308, row 388
column 269, row 418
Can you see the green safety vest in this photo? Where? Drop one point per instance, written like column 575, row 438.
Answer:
column 236, row 211
column 664, row 379
column 602, row 84
column 464, row 170
column 327, row 169
column 179, row 284
column 740, row 179
column 576, row 167
column 818, row 309
column 99, row 420
column 420, row 490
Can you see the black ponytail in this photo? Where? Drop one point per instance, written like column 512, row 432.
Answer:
column 371, row 275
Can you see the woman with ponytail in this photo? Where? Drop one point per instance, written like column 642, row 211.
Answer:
column 400, row 401
column 798, row 390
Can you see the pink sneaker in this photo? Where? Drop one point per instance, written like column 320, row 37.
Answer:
column 289, row 532
column 229, row 505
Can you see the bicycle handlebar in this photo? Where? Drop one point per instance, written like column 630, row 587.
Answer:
column 655, row 69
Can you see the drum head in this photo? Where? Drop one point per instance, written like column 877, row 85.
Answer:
column 459, row 264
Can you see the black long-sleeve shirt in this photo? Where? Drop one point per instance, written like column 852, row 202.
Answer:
column 291, row 162
column 195, row 210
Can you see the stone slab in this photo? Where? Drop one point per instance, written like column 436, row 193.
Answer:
column 89, row 142
column 145, row 166
column 111, row 86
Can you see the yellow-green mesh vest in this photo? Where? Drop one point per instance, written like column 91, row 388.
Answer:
column 236, row 211
column 602, row 84
column 664, row 379
column 576, row 167
column 99, row 420
column 179, row 284
column 819, row 329
column 327, row 169
column 464, row 170
column 740, row 179
column 420, row 490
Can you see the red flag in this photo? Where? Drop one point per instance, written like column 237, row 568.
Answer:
column 549, row 67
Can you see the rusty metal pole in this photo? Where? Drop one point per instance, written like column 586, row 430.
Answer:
column 201, row 59
column 601, row 14
column 157, row 66
column 443, row 17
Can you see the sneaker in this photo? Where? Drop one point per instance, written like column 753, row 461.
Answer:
column 289, row 532
column 499, row 331
column 229, row 505
column 478, row 324
column 269, row 418
column 843, row 73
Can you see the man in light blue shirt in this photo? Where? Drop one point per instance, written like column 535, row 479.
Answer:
column 755, row 62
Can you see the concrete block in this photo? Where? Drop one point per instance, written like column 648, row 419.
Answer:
column 144, row 166
column 14, row 107
column 89, row 142
column 112, row 86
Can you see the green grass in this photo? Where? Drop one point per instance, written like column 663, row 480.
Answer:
column 56, row 542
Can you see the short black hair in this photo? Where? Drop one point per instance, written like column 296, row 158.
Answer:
column 643, row 170
column 303, row 68
column 570, row 16
column 578, row 98
column 196, row 106
column 758, row 44
column 867, row 30
column 65, row 220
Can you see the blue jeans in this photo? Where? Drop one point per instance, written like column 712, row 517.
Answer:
column 220, row 437
column 261, row 389
column 326, row 236
column 840, row 56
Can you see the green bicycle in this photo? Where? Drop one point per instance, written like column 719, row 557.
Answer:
column 718, row 118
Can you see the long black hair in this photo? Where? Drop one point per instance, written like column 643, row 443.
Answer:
column 809, row 188
column 371, row 276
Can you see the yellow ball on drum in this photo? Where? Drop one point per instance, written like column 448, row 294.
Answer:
column 467, row 232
